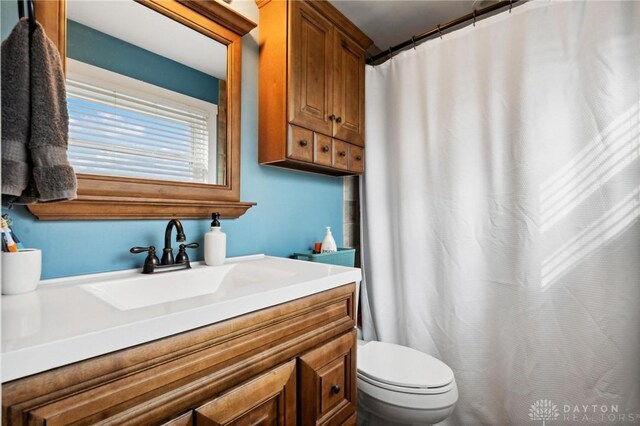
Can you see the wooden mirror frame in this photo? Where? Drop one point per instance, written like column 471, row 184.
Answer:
column 113, row 197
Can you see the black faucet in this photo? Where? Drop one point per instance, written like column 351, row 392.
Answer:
column 152, row 264
column 167, row 251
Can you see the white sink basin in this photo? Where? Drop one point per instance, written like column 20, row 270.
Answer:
column 148, row 290
column 154, row 289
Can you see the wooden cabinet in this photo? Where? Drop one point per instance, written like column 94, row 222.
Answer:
column 277, row 366
column 311, row 52
column 327, row 375
column 348, row 89
column 269, row 399
column 311, row 87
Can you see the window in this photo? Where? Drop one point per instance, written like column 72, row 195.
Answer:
column 120, row 126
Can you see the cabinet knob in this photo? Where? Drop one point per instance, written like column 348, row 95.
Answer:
column 332, row 117
column 338, row 120
column 358, row 157
column 303, row 142
column 325, row 148
column 335, row 389
column 342, row 153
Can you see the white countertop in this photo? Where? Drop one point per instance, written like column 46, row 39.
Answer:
column 64, row 321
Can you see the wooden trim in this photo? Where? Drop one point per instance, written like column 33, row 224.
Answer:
column 312, row 168
column 334, row 15
column 149, row 383
column 261, row 3
column 110, row 197
column 221, row 14
column 88, row 208
column 52, row 15
column 272, row 87
column 330, row 12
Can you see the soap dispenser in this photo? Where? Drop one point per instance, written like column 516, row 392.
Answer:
column 328, row 243
column 215, row 243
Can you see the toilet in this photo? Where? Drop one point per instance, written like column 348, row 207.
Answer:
column 398, row 385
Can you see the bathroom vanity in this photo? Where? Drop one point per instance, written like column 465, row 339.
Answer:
column 270, row 340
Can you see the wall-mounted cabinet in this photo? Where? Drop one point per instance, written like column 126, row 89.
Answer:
column 311, row 88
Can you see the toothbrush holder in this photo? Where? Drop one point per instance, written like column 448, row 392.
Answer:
column 21, row 271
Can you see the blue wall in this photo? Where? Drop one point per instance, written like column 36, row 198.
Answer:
column 293, row 209
column 102, row 50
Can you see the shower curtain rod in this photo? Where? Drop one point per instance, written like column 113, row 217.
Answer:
column 473, row 16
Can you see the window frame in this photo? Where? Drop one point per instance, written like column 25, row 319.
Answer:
column 114, row 197
column 80, row 72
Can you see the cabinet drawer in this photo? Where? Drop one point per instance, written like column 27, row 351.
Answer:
column 300, row 144
column 322, row 150
column 328, row 383
column 356, row 159
column 269, row 399
column 340, row 154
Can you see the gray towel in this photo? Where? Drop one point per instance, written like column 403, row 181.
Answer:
column 16, row 167
column 35, row 167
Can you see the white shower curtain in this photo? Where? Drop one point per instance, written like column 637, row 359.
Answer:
column 500, row 211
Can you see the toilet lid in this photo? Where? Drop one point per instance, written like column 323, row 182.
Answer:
column 402, row 366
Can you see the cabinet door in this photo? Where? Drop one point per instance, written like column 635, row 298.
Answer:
column 269, row 399
column 348, row 90
column 310, row 57
column 328, row 382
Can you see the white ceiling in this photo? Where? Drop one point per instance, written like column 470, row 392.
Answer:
column 390, row 22
column 145, row 28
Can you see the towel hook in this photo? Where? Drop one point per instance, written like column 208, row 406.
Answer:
column 474, row 17
column 439, row 32
column 31, row 12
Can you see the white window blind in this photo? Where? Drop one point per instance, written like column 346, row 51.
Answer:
column 121, row 132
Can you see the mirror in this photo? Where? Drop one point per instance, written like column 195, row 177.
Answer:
column 146, row 95
column 177, row 148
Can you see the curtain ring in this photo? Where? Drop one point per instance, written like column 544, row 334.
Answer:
column 439, row 32
column 390, row 54
column 510, row 5
column 474, row 17
column 413, row 40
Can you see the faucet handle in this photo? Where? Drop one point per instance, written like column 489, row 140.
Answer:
column 151, row 261
column 136, row 250
column 182, row 257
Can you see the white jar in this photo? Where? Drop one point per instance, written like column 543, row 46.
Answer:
column 21, row 271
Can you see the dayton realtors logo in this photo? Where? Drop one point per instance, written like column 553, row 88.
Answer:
column 597, row 414
column 545, row 410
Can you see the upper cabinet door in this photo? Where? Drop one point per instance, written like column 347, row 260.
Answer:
column 310, row 56
column 348, row 90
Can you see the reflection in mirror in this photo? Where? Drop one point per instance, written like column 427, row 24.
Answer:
column 146, row 95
